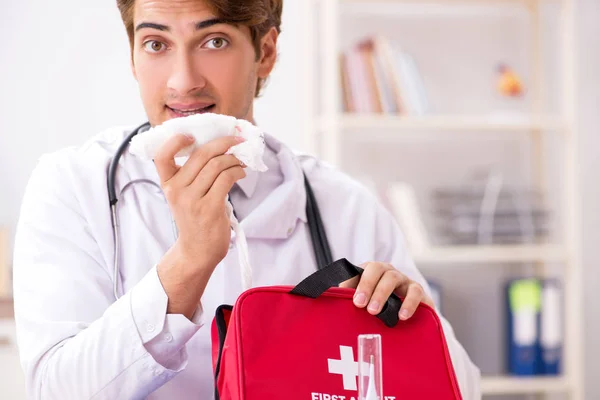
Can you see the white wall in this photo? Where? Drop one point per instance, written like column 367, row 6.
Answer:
column 63, row 77
column 286, row 98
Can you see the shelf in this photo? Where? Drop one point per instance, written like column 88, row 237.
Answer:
column 445, row 123
column 491, row 254
column 404, row 2
column 6, row 308
column 433, row 8
column 523, row 385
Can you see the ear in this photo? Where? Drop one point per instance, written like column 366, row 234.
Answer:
column 268, row 55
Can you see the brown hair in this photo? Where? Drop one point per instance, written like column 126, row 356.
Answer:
column 258, row 15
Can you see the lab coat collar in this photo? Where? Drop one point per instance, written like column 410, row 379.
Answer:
column 249, row 182
column 277, row 216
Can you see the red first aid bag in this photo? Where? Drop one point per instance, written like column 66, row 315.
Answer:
column 301, row 344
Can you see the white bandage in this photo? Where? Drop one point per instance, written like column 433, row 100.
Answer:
column 204, row 128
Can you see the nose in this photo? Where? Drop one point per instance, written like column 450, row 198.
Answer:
column 185, row 77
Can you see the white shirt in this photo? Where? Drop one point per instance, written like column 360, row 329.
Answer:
column 77, row 342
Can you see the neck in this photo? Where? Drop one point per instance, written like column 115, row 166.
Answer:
column 250, row 114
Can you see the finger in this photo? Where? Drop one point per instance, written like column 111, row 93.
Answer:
column 390, row 280
column 224, row 182
column 202, row 155
column 164, row 159
column 208, row 175
column 368, row 281
column 414, row 295
column 350, row 283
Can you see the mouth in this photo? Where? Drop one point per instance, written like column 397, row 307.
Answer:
column 186, row 111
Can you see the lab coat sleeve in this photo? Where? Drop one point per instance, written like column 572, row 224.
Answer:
column 75, row 341
column 163, row 337
column 390, row 247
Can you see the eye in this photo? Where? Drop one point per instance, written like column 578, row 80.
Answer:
column 154, row 46
column 217, row 43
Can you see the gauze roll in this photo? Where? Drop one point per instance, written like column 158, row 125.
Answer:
column 204, row 128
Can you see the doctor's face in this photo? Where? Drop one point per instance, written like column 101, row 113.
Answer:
column 187, row 61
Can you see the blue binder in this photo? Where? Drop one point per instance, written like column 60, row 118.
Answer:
column 523, row 305
column 551, row 328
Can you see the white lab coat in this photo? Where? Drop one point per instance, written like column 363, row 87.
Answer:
column 77, row 342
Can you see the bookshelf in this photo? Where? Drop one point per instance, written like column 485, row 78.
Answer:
column 331, row 127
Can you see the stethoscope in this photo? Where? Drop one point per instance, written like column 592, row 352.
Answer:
column 319, row 240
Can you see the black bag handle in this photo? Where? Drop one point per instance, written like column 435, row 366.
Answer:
column 334, row 274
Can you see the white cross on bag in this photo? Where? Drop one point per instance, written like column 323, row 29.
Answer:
column 346, row 367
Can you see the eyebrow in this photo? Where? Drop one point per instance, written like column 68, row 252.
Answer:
column 199, row 26
column 210, row 22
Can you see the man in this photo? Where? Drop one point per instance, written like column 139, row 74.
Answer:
column 177, row 259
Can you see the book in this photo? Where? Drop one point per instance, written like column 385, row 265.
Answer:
column 379, row 78
column 383, row 76
column 386, row 53
column 372, row 79
column 357, row 77
column 416, row 85
column 347, row 97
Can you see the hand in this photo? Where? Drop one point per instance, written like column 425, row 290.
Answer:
column 196, row 194
column 378, row 282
